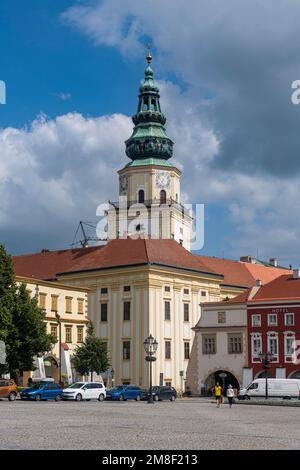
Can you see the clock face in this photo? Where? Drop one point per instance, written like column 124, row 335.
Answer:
column 163, row 179
column 123, row 184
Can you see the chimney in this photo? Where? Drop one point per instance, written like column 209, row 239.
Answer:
column 258, row 283
column 296, row 273
column 273, row 262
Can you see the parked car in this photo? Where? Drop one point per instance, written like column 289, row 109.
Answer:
column 162, row 393
column 280, row 388
column 8, row 389
column 125, row 392
column 85, row 391
column 42, row 391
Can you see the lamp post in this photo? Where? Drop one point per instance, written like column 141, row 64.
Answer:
column 150, row 346
column 265, row 360
column 59, row 343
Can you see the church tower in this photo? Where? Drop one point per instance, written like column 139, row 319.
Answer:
column 149, row 185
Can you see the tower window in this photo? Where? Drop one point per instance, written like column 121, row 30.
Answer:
column 163, row 197
column 141, row 196
column 146, row 105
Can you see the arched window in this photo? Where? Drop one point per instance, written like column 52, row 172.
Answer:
column 141, row 196
column 163, row 197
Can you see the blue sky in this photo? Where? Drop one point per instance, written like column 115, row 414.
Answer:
column 42, row 58
column 72, row 71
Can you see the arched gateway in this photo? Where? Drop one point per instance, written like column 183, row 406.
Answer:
column 224, row 377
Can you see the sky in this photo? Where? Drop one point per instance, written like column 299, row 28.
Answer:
column 225, row 70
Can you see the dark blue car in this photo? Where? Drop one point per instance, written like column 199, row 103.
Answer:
column 124, row 392
column 42, row 391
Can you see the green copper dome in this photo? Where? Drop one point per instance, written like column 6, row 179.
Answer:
column 149, row 139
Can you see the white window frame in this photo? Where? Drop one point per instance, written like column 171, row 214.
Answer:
column 269, row 317
column 255, row 355
column 256, row 315
column 285, row 317
column 289, row 357
column 273, row 335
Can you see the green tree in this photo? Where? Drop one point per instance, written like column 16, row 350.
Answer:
column 22, row 325
column 7, row 292
column 92, row 355
column 27, row 335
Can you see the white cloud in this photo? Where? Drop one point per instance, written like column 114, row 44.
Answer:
column 55, row 173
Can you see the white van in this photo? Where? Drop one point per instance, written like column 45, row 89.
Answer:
column 280, row 388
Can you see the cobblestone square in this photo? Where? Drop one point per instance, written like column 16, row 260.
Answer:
column 192, row 424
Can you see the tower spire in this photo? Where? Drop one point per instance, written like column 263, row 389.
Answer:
column 149, row 56
column 149, row 138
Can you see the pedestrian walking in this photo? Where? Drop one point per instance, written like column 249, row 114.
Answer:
column 230, row 395
column 218, row 394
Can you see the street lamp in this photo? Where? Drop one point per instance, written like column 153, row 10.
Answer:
column 59, row 343
column 150, row 346
column 265, row 360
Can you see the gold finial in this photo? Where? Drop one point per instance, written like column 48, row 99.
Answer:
column 149, row 56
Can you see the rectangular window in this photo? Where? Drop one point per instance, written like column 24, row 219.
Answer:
column 186, row 312
column 167, row 289
column 186, row 349
column 53, row 331
column 69, row 304
column 104, row 290
column 256, row 345
column 103, row 314
column 272, row 319
column 79, row 334
column 54, row 303
column 273, row 345
column 203, row 293
column 80, row 306
column 167, row 349
column 289, row 345
column 289, row 319
column 209, row 344
column 68, row 334
column 186, row 291
column 235, row 343
column 256, row 320
column 167, row 310
column 126, row 311
column 221, row 317
column 168, row 383
column 126, row 350
column 126, row 288
column 42, row 301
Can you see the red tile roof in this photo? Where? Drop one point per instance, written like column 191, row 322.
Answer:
column 116, row 253
column 283, row 288
column 238, row 273
column 128, row 252
column 45, row 265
